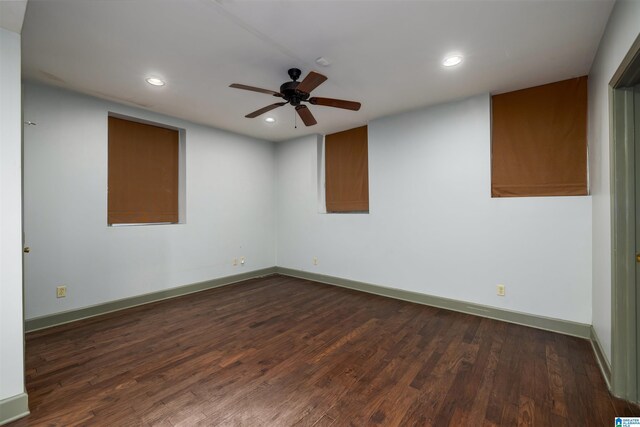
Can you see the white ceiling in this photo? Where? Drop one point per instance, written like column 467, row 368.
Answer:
column 385, row 54
column 12, row 14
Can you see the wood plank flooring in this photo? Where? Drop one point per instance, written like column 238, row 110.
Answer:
column 280, row 351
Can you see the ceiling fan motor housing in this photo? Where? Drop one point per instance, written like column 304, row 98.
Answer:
column 295, row 92
column 289, row 92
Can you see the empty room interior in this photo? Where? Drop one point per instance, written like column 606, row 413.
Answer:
column 319, row 213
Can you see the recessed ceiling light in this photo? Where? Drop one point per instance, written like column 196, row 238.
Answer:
column 154, row 81
column 452, row 61
column 270, row 120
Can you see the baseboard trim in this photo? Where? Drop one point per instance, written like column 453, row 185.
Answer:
column 566, row 327
column 602, row 360
column 14, row 407
column 56, row 319
column 541, row 322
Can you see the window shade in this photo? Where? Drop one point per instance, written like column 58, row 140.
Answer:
column 539, row 141
column 347, row 171
column 143, row 173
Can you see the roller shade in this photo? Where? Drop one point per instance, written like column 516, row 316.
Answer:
column 539, row 141
column 143, row 173
column 347, row 171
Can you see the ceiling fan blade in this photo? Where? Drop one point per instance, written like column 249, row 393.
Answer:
column 305, row 115
column 338, row 103
column 264, row 110
column 255, row 89
column 312, row 81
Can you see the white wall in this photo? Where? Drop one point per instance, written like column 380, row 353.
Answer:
column 11, row 338
column 622, row 29
column 433, row 227
column 229, row 208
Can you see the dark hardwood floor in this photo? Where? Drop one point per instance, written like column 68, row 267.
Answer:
column 280, row 351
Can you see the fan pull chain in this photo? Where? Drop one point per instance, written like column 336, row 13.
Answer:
column 295, row 120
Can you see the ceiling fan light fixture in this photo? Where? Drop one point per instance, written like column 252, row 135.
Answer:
column 270, row 120
column 452, row 60
column 155, row 81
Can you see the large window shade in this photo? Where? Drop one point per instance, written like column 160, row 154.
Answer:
column 143, row 173
column 347, row 171
column 539, row 141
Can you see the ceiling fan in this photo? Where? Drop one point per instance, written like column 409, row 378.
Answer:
column 295, row 92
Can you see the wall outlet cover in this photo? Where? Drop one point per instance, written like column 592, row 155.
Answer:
column 61, row 291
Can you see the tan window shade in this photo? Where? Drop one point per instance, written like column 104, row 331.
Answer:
column 143, row 173
column 539, row 141
column 347, row 171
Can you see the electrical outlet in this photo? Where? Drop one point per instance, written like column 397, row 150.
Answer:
column 235, row 262
column 61, row 291
column 500, row 290
column 315, row 260
column 242, row 260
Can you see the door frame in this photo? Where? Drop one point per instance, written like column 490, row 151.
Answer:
column 625, row 141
